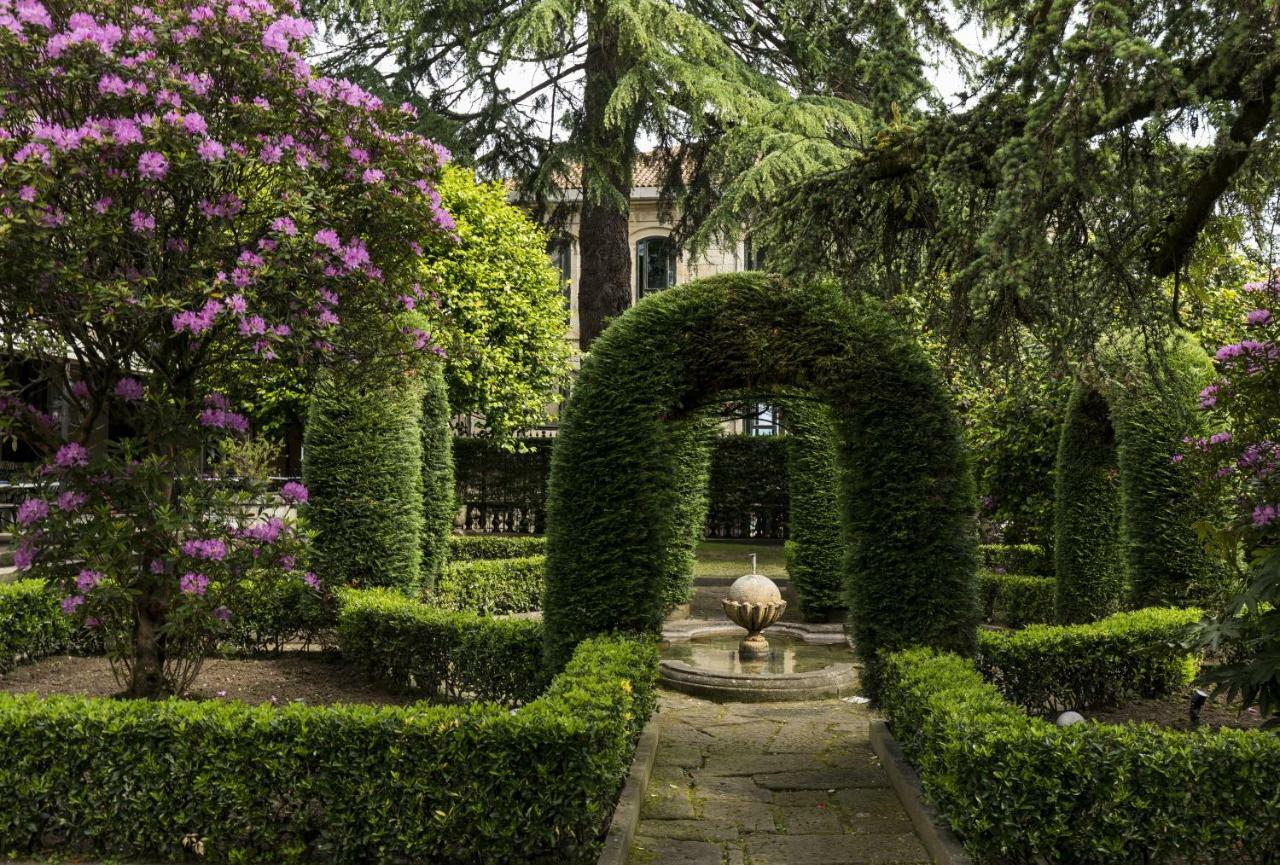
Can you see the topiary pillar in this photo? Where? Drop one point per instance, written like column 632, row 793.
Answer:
column 815, row 550
column 439, row 502
column 690, row 443
column 363, row 468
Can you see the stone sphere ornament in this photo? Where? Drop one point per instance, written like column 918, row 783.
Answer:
column 755, row 603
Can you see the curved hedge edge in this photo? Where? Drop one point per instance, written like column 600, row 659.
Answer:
column 457, row 785
column 32, row 626
column 1092, row 794
column 815, row 552
column 491, row 587
column 1016, row 600
column 1054, row 667
column 439, row 505
column 470, row 548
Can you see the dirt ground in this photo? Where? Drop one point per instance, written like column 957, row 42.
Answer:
column 308, row 677
column 1172, row 711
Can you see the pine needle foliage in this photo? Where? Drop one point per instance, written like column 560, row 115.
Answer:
column 910, row 573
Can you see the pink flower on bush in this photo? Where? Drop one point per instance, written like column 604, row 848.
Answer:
column 1258, row 317
column 216, row 418
column 88, row 580
column 1263, row 516
column 210, row 150
column 25, row 554
column 193, row 583
column 71, row 455
column 71, row 603
column 284, row 225
column 129, row 389
column 210, row 549
column 311, row 580
column 33, row 12
column 294, row 492
column 71, row 501
column 141, row 222
column 153, row 165
column 32, row 511
column 328, row 238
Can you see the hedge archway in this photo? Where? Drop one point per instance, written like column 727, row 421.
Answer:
column 613, row 501
column 1124, row 510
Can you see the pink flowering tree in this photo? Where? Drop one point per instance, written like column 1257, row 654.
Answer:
column 180, row 193
column 1241, row 459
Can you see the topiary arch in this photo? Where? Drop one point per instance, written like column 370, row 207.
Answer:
column 613, row 504
column 1124, row 511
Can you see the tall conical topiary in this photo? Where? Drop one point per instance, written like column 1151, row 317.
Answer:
column 363, row 468
column 438, row 495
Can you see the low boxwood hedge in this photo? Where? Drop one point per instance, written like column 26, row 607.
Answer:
column 1049, row 667
column 492, row 587
column 32, row 625
column 414, row 647
column 469, row 548
column 470, row 784
column 1017, row 789
column 1016, row 559
column 1016, row 600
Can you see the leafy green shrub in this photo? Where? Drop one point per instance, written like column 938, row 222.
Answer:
column 455, row 785
column 471, row 548
column 747, row 487
column 364, row 471
column 1016, row 559
column 1016, row 599
column 613, row 470
column 1018, row 789
column 417, row 648
column 267, row 615
column 33, row 625
column 1046, row 667
column 691, row 442
column 491, row 587
column 439, row 507
column 815, row 551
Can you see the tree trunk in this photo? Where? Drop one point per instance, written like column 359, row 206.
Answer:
column 604, row 282
column 146, row 680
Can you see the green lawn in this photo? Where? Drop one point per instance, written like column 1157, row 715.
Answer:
column 723, row 559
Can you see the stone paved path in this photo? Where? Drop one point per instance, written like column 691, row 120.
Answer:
column 768, row 784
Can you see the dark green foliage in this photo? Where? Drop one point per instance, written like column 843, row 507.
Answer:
column 690, row 442
column 1088, row 552
column 268, row 615
column 32, row 625
column 470, row 548
column 911, row 576
column 455, row 785
column 1016, row 600
column 491, row 587
column 1016, row 558
column 501, row 489
column 1125, row 510
column 438, row 504
column 1127, row 655
column 815, row 551
column 1088, row 794
column 364, row 471
column 747, row 489
column 418, row 648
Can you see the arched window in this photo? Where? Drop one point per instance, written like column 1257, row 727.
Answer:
column 560, row 251
column 655, row 265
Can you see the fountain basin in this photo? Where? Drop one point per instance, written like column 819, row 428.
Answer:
column 710, row 666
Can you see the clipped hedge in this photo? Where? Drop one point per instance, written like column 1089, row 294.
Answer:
column 462, row 785
column 491, row 587
column 439, row 506
column 747, row 490
column 1016, row 559
column 815, row 551
column 266, row 616
column 613, row 469
column 363, row 468
column 418, row 648
column 1050, row 667
column 1016, row 600
column 471, row 548
column 32, row 625
column 690, row 442
column 1017, row 789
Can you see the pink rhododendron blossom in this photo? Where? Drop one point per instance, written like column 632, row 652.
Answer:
column 31, row 511
column 1258, row 317
column 210, row 549
column 71, row 603
column 129, row 389
column 211, row 151
column 70, row 501
column 87, row 580
column 214, row 418
column 153, row 165
column 294, row 492
column 311, row 580
column 71, row 455
column 193, row 583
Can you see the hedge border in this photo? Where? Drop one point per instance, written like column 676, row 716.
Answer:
column 815, row 549
column 1019, row 789
column 470, row 548
column 492, row 587
column 1016, row 600
column 32, row 626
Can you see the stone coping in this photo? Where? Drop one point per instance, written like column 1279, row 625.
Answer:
column 818, row 633
column 834, row 680
column 626, row 816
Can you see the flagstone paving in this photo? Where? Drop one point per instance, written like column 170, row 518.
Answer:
column 768, row 784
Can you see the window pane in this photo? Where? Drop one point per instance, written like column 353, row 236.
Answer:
column 655, row 265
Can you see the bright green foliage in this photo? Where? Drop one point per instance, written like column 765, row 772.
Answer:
column 690, row 442
column 470, row 548
column 439, row 506
column 417, row 648
column 1127, row 655
column 364, row 472
column 32, row 625
column 1088, row 551
column 491, row 587
column 1016, row 558
column 1088, row 794
column 1016, row 600
column 815, row 551
column 347, row 783
column 1125, row 511
column 911, row 570
column 505, row 326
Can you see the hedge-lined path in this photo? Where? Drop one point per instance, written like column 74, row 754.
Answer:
column 768, row 784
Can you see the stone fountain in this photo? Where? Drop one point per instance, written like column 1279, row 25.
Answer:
column 754, row 603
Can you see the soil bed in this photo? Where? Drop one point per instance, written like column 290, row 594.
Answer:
column 307, row 677
column 1172, row 711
